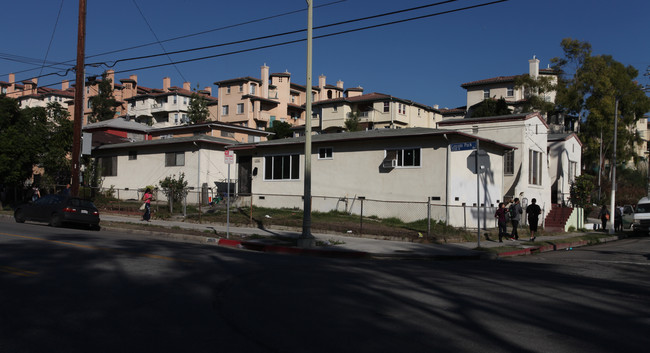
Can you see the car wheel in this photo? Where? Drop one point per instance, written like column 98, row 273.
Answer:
column 19, row 216
column 55, row 220
column 95, row 227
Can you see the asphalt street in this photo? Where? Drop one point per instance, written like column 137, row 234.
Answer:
column 73, row 290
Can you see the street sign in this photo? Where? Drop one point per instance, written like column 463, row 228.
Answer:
column 229, row 157
column 463, row 146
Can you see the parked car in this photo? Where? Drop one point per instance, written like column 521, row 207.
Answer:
column 642, row 216
column 57, row 210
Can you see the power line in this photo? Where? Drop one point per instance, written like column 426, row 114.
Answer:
column 158, row 40
column 287, row 33
column 316, row 37
column 47, row 52
column 52, row 64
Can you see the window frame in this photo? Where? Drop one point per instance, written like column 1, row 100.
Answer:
column 225, row 110
column 325, row 153
column 509, row 163
column 175, row 162
column 240, row 108
column 283, row 171
column 111, row 169
column 486, row 93
column 402, row 158
column 535, row 167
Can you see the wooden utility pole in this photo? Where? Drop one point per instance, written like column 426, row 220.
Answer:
column 79, row 98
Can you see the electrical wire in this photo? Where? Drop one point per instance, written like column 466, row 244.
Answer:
column 315, row 37
column 158, row 40
column 189, row 35
column 47, row 52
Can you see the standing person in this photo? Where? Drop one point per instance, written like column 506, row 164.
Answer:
column 500, row 215
column 515, row 211
column 147, row 205
column 36, row 194
column 604, row 216
column 66, row 191
column 618, row 219
column 533, row 210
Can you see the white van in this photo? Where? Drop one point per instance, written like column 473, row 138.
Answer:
column 642, row 216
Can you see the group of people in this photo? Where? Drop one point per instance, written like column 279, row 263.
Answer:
column 618, row 217
column 514, row 212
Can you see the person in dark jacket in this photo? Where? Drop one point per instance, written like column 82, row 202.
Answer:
column 500, row 215
column 515, row 211
column 604, row 216
column 533, row 210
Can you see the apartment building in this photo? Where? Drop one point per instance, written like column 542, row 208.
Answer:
column 30, row 95
column 257, row 103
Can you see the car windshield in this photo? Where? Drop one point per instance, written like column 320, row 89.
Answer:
column 643, row 208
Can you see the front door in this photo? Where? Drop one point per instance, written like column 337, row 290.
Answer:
column 245, row 164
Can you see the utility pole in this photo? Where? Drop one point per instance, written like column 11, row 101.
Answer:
column 612, row 203
column 78, row 98
column 306, row 239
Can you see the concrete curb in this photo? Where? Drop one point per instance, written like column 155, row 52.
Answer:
column 555, row 247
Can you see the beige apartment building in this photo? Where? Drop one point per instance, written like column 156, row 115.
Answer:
column 257, row 103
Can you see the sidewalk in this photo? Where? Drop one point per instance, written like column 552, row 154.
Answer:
column 342, row 246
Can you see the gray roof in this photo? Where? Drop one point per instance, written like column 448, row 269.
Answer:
column 118, row 123
column 168, row 141
column 365, row 135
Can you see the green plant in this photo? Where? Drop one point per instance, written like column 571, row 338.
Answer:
column 174, row 189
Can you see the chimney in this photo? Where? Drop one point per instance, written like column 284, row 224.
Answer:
column 209, row 90
column 533, row 67
column 167, row 82
column 265, row 81
column 110, row 75
column 339, row 84
column 65, row 84
column 436, row 106
column 187, row 86
column 12, row 78
column 135, row 79
column 321, row 81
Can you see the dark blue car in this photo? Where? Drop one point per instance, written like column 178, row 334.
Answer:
column 57, row 210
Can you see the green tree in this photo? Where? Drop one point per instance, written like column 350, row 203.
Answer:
column 352, row 122
column 55, row 159
column 590, row 86
column 581, row 188
column 490, row 107
column 103, row 104
column 22, row 140
column 535, row 91
column 174, row 189
column 197, row 111
column 280, row 129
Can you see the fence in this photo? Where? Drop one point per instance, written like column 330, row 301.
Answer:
column 196, row 202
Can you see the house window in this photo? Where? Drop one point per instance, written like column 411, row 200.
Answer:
column 228, row 90
column 573, row 168
column 224, row 110
column 175, row 99
column 252, row 89
column 133, row 155
column 108, row 166
column 325, row 153
column 335, row 109
column 176, row 118
column 534, row 167
column 241, row 87
column 405, row 157
column 174, row 159
column 486, row 93
column 386, row 107
column 285, row 167
column 240, row 108
column 227, row 134
column 185, row 100
column 511, row 91
column 509, row 163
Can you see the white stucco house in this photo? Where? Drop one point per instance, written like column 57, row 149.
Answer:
column 525, row 169
column 564, row 159
column 391, row 165
column 130, row 166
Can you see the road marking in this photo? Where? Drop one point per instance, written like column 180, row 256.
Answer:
column 151, row 256
column 17, row 271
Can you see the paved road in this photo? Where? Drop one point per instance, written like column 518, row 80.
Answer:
column 70, row 290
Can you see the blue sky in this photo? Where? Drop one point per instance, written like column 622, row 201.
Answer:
column 424, row 60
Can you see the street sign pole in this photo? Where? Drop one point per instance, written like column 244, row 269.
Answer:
column 478, row 199
column 229, row 158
